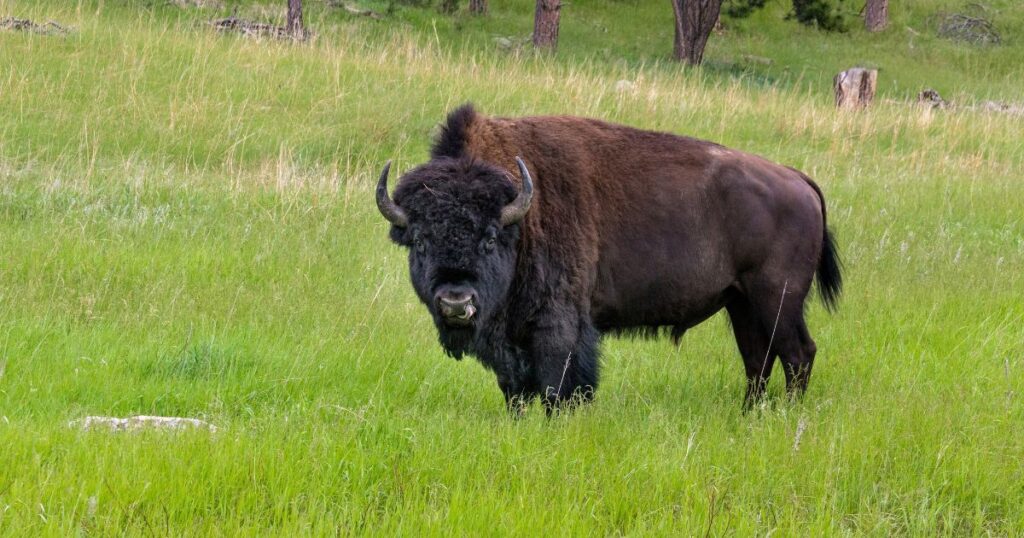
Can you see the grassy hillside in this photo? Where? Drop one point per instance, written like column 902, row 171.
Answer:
column 187, row 228
column 909, row 55
column 630, row 33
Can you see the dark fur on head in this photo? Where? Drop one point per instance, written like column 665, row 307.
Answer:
column 455, row 238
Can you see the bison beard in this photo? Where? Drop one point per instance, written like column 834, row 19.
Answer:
column 628, row 231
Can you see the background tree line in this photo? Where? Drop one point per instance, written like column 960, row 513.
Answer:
column 694, row 19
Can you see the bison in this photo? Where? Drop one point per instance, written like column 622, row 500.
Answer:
column 606, row 229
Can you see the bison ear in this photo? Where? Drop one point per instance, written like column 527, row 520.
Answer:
column 386, row 205
column 515, row 211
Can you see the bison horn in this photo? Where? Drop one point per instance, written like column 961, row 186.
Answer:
column 514, row 212
column 387, row 207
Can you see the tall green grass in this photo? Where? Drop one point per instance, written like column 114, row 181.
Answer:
column 187, row 228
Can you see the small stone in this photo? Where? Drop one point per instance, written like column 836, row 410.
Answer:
column 760, row 60
column 625, row 86
column 932, row 98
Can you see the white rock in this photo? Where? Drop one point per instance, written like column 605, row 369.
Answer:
column 504, row 43
column 625, row 86
column 140, row 422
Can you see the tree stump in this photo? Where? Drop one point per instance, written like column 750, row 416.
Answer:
column 855, row 87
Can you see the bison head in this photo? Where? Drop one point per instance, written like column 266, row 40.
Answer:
column 459, row 219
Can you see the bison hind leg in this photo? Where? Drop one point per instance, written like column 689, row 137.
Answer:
column 779, row 311
column 798, row 359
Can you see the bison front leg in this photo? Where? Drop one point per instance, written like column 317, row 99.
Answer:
column 515, row 380
column 516, row 401
column 566, row 359
column 517, row 394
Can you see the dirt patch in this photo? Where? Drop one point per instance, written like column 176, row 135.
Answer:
column 26, row 25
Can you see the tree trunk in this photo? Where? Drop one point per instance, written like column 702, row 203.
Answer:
column 449, row 6
column 695, row 19
column 545, row 24
column 295, row 27
column 876, row 15
column 855, row 87
column 478, row 7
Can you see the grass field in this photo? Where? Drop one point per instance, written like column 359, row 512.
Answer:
column 186, row 228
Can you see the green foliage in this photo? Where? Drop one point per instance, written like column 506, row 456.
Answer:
column 742, row 8
column 824, row 14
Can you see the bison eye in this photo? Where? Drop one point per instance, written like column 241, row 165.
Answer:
column 489, row 244
column 418, row 244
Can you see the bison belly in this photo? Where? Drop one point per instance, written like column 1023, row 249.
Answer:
column 675, row 259
column 658, row 274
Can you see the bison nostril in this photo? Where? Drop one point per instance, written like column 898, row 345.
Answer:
column 456, row 305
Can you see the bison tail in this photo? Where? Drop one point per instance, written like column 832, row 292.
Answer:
column 830, row 266
column 830, row 276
